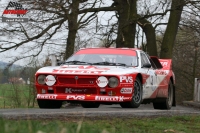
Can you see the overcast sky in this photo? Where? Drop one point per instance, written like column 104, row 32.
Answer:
column 103, row 17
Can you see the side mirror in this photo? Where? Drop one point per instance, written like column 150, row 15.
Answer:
column 146, row 65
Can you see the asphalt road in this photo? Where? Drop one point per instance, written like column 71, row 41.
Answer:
column 105, row 111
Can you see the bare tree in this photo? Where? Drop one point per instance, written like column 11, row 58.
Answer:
column 52, row 25
column 172, row 28
column 59, row 22
column 186, row 61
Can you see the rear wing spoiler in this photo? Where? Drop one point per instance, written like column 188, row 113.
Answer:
column 165, row 64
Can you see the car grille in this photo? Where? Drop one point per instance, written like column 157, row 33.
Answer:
column 80, row 81
column 76, row 84
column 63, row 80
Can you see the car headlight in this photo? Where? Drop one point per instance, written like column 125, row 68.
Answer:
column 41, row 79
column 113, row 82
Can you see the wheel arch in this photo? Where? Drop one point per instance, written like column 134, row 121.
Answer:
column 172, row 80
column 139, row 75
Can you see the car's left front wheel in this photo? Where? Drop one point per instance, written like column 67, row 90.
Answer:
column 137, row 96
column 49, row 104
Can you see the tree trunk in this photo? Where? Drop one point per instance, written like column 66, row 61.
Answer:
column 126, row 10
column 172, row 28
column 73, row 28
column 149, row 31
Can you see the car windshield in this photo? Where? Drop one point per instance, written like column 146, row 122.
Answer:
column 104, row 59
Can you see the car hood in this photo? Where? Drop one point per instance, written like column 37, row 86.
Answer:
column 88, row 69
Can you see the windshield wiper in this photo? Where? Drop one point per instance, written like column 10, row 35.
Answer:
column 120, row 64
column 102, row 63
column 109, row 63
column 77, row 62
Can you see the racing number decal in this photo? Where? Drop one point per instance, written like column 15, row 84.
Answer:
column 153, row 80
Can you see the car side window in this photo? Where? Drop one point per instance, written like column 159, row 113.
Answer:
column 144, row 59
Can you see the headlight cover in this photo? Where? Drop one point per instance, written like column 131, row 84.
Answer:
column 41, row 79
column 113, row 82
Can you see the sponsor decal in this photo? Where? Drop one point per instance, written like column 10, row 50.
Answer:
column 164, row 63
column 161, row 72
column 73, row 97
column 46, row 96
column 85, row 70
column 109, row 98
column 50, row 80
column 163, row 92
column 70, row 90
column 77, row 71
column 92, row 67
column 15, row 11
column 102, row 81
column 126, row 90
column 126, row 85
column 126, row 79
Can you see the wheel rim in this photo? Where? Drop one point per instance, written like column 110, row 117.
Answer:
column 170, row 95
column 137, row 92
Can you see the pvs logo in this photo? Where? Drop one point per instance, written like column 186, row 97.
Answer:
column 126, row 79
column 73, row 97
column 14, row 12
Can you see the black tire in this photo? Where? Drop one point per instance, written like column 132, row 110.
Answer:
column 137, row 97
column 49, row 104
column 166, row 103
column 90, row 105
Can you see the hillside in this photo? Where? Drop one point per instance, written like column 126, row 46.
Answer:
column 5, row 64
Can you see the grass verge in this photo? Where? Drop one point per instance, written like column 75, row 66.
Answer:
column 175, row 124
column 17, row 96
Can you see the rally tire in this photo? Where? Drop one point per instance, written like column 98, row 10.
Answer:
column 90, row 105
column 49, row 104
column 166, row 104
column 137, row 97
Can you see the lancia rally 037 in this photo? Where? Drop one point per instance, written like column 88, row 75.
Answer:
column 94, row 76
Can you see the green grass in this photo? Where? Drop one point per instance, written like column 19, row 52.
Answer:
column 16, row 95
column 176, row 124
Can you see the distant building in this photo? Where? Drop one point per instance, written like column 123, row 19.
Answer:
column 16, row 80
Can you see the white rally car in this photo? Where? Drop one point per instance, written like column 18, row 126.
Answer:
column 95, row 76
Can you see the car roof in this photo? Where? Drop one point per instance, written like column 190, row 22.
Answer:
column 124, row 51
